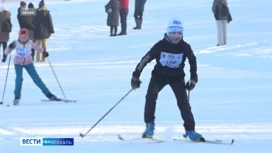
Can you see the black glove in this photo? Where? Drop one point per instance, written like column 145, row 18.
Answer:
column 4, row 58
column 45, row 54
column 229, row 18
column 190, row 85
column 12, row 45
column 135, row 83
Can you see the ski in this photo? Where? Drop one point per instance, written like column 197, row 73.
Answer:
column 139, row 139
column 59, row 100
column 153, row 140
column 221, row 142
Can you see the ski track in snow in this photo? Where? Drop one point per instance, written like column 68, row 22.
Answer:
column 109, row 132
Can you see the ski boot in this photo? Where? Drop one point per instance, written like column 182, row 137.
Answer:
column 193, row 136
column 16, row 101
column 52, row 97
column 148, row 133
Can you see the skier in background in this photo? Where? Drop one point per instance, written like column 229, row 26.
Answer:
column 23, row 59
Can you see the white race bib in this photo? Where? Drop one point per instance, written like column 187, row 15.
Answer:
column 22, row 52
column 171, row 60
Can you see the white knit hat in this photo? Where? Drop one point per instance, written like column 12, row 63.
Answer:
column 175, row 25
column 3, row 8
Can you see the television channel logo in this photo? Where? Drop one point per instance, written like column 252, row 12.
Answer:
column 31, row 141
column 46, row 141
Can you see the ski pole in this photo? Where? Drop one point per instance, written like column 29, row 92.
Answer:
column 1, row 103
column 188, row 95
column 56, row 77
column 83, row 135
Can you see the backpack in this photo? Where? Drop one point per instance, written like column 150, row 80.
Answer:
column 224, row 10
column 6, row 26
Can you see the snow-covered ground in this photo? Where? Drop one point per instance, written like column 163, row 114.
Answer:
column 231, row 100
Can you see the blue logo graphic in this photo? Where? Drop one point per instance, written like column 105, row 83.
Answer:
column 176, row 22
column 58, row 141
column 175, row 29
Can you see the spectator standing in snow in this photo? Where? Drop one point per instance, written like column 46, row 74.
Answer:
column 223, row 17
column 112, row 9
column 5, row 29
column 124, row 8
column 43, row 29
column 138, row 13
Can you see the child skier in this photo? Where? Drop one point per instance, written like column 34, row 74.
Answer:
column 23, row 59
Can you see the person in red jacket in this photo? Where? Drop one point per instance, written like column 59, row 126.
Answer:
column 123, row 16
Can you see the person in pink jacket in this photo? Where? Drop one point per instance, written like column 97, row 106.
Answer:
column 23, row 59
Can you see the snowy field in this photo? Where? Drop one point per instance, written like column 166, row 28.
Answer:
column 231, row 100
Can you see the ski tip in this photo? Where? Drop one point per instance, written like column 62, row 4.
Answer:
column 232, row 141
column 120, row 137
column 71, row 101
column 66, row 100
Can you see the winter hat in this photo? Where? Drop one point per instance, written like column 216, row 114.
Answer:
column 23, row 31
column 30, row 5
column 22, row 3
column 3, row 8
column 41, row 4
column 175, row 25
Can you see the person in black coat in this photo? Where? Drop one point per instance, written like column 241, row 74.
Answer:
column 44, row 28
column 170, row 53
column 138, row 13
column 32, row 27
column 19, row 15
column 27, row 21
column 112, row 9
